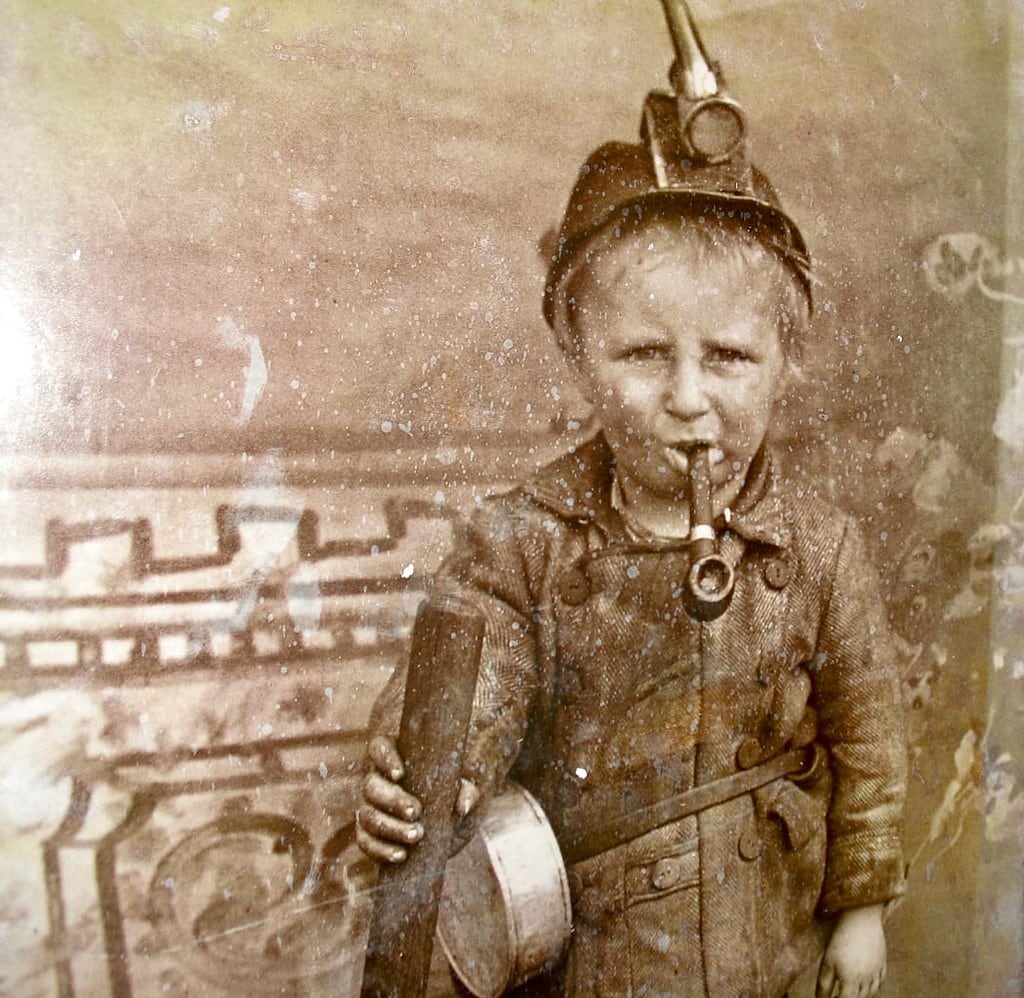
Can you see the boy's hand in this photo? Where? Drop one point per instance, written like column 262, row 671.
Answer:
column 854, row 961
column 387, row 820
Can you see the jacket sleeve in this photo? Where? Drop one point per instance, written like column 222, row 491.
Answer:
column 490, row 569
column 857, row 691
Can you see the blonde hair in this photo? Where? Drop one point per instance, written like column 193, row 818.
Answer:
column 716, row 238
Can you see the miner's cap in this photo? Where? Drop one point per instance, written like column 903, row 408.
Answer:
column 617, row 185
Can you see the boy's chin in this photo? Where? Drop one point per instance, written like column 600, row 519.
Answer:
column 660, row 484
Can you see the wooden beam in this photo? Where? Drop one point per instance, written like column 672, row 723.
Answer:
column 443, row 662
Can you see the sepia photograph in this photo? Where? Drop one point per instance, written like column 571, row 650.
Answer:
column 512, row 498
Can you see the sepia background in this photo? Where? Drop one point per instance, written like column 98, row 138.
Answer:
column 270, row 286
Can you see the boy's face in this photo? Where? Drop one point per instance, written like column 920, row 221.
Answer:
column 678, row 351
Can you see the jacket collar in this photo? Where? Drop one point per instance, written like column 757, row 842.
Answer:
column 577, row 487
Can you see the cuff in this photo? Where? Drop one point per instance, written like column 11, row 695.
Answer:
column 861, row 870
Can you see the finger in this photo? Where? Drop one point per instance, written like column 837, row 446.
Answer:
column 385, row 824
column 469, row 794
column 826, row 978
column 383, row 837
column 383, row 852
column 383, row 753
column 390, row 798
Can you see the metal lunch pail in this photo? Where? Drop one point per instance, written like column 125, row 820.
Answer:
column 505, row 910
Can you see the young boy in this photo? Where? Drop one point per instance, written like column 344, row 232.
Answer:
column 604, row 690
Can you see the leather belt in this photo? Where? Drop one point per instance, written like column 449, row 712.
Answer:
column 590, row 842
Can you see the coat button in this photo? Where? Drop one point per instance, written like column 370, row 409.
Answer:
column 665, row 874
column 574, row 586
column 778, row 572
column 749, row 844
column 586, row 901
column 748, row 754
column 589, row 905
column 572, row 686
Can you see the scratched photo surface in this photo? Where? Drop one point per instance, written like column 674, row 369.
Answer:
column 270, row 285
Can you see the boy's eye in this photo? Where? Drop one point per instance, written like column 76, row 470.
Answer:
column 645, row 354
column 728, row 356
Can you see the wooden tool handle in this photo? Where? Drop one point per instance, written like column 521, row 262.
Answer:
column 443, row 661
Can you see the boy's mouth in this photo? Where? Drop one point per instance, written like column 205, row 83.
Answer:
column 680, row 456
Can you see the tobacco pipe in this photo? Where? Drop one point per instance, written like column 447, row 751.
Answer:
column 711, row 578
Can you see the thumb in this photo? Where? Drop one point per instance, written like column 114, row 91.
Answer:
column 383, row 753
column 469, row 795
column 826, row 980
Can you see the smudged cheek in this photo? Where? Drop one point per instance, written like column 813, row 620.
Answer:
column 634, row 414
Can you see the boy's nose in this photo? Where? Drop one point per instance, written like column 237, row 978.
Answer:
column 686, row 397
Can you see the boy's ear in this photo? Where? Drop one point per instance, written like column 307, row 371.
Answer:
column 572, row 351
column 793, row 375
column 796, row 373
column 582, row 376
column 577, row 365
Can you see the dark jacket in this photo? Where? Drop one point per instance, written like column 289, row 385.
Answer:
column 600, row 694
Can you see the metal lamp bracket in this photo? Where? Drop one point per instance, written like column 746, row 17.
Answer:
column 697, row 124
